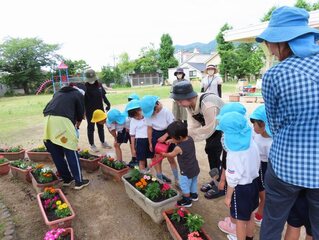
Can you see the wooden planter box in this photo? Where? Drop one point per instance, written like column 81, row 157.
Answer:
column 22, row 174
column 90, row 165
column 39, row 187
column 39, row 156
column 153, row 209
column 234, row 98
column 59, row 223
column 116, row 174
column 13, row 155
column 4, row 168
column 172, row 230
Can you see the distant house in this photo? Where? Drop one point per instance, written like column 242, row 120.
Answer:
column 145, row 79
column 194, row 66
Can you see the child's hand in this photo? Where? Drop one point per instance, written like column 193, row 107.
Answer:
column 227, row 202
column 151, row 147
column 169, row 141
column 164, row 154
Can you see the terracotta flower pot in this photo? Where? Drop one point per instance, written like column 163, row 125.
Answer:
column 153, row 209
column 39, row 187
column 39, row 156
column 22, row 174
column 116, row 174
column 234, row 98
column 250, row 99
column 13, row 155
column 4, row 168
column 172, row 230
column 59, row 223
column 90, row 165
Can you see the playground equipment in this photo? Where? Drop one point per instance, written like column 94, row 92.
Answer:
column 59, row 81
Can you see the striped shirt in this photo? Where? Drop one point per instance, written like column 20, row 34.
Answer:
column 291, row 93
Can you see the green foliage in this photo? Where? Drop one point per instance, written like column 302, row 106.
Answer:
column 303, row 4
column 315, row 6
column 166, row 55
column 178, row 215
column 194, row 222
column 125, row 65
column 134, row 175
column 43, row 174
column 77, row 66
column 21, row 59
column 267, row 16
column 111, row 75
column 3, row 160
column 22, row 164
column 39, row 149
column 148, row 61
column 11, row 149
column 109, row 161
column 63, row 211
column 223, row 46
column 153, row 190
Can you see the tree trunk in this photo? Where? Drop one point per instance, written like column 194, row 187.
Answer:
column 26, row 89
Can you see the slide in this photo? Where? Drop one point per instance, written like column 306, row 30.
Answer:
column 43, row 86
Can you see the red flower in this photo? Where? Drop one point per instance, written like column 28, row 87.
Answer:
column 166, row 187
column 180, row 213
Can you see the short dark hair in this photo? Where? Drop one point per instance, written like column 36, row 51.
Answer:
column 132, row 113
column 260, row 123
column 177, row 129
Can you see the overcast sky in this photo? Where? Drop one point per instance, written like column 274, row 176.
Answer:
column 96, row 30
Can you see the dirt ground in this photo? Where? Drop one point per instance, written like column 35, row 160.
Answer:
column 103, row 210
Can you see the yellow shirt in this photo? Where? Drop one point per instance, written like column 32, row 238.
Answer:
column 60, row 131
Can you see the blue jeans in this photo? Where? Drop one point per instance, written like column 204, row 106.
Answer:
column 188, row 185
column 280, row 197
column 63, row 165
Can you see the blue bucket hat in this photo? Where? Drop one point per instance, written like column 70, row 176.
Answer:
column 133, row 104
column 115, row 115
column 237, row 132
column 232, row 107
column 260, row 114
column 147, row 104
column 133, row 96
column 290, row 24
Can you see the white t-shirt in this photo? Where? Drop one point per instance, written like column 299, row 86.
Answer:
column 138, row 128
column 161, row 120
column 210, row 84
column 119, row 127
column 263, row 145
column 242, row 166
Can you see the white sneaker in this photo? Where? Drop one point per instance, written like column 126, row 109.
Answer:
column 231, row 237
column 106, row 145
column 94, row 148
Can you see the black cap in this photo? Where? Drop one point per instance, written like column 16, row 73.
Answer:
column 183, row 90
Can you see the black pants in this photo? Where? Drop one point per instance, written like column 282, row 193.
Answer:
column 214, row 150
column 90, row 129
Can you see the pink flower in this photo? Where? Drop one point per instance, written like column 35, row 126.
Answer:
column 166, row 187
column 194, row 236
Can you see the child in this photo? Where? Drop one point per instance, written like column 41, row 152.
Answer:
column 263, row 140
column 241, row 173
column 188, row 164
column 138, row 132
column 157, row 119
column 117, row 124
column 298, row 217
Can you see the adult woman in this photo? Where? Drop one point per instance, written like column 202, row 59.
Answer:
column 94, row 97
column 212, row 83
column 202, row 109
column 179, row 112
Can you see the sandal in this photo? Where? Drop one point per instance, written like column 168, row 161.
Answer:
column 214, row 193
column 206, row 187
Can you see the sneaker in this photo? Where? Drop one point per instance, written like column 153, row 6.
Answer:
column 184, row 202
column 68, row 183
column 106, row 145
column 166, row 179
column 231, row 237
column 84, row 183
column 94, row 148
column 132, row 163
column 258, row 219
column 194, row 197
column 227, row 227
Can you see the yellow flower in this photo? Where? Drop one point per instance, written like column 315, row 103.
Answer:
column 154, row 179
column 58, row 202
column 64, row 205
column 60, row 207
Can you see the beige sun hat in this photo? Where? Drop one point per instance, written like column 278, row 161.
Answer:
column 90, row 76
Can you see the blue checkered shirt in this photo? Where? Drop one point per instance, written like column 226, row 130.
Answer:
column 291, row 93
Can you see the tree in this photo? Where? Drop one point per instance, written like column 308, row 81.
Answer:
column 111, row 75
column 166, row 55
column 225, row 51
column 315, row 6
column 21, row 60
column 125, row 65
column 148, row 61
column 76, row 66
column 303, row 4
column 267, row 16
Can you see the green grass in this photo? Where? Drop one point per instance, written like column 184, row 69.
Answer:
column 1, row 229
column 25, row 112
